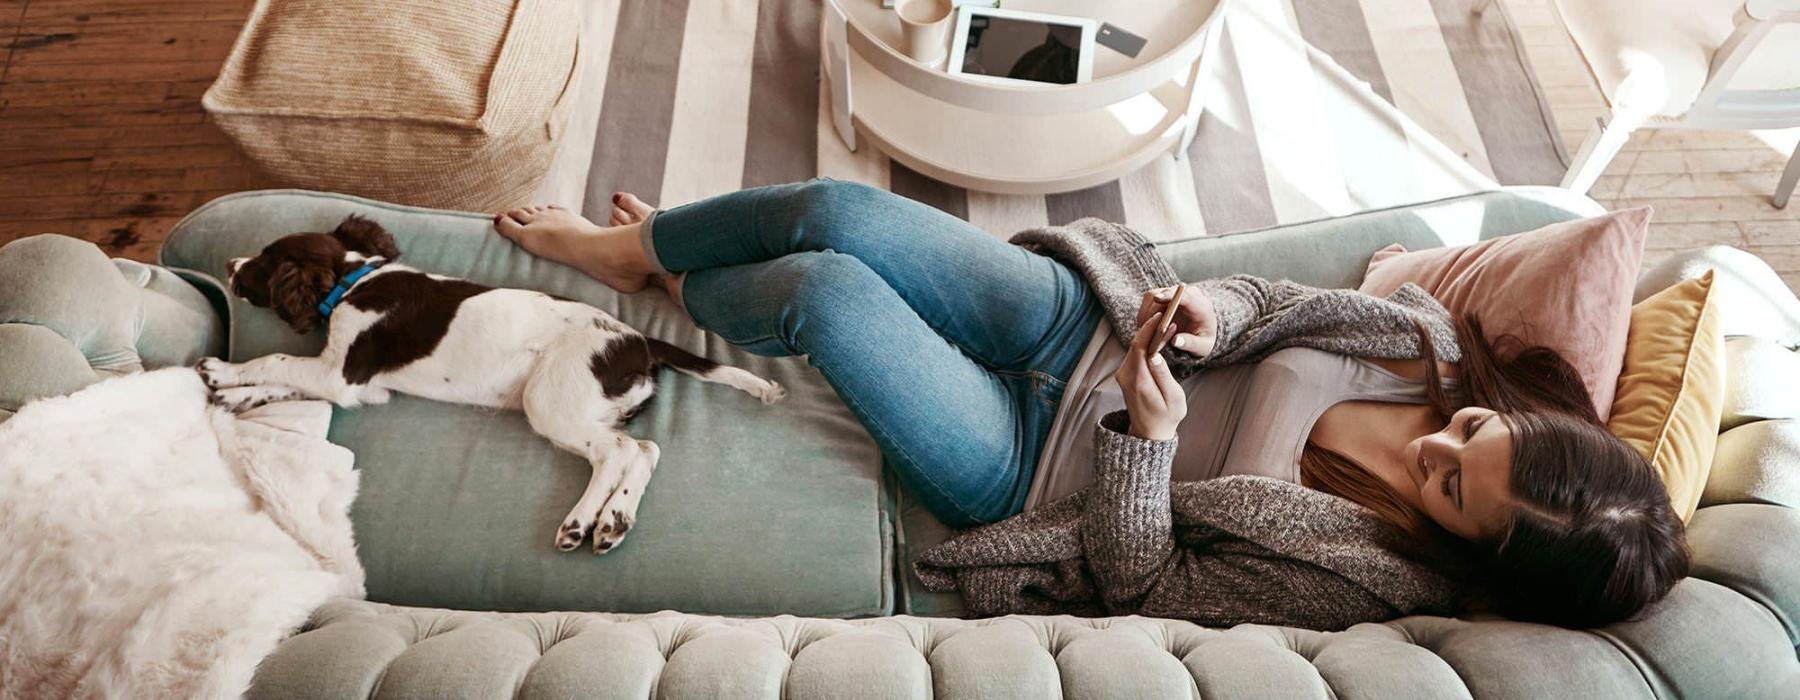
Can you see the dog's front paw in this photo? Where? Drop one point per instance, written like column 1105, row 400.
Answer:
column 239, row 399
column 572, row 532
column 212, row 371
column 771, row 393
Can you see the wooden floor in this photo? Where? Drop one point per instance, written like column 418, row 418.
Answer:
column 1707, row 186
column 101, row 132
column 102, row 136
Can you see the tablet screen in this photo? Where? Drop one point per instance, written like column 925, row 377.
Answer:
column 1022, row 49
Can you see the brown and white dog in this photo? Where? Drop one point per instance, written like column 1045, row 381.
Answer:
column 576, row 372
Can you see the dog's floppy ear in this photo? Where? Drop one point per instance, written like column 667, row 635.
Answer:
column 367, row 237
column 295, row 291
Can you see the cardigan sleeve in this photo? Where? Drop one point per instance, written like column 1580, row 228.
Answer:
column 1126, row 523
column 1232, row 581
column 1256, row 316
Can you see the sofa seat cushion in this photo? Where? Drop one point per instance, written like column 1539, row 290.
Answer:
column 754, row 509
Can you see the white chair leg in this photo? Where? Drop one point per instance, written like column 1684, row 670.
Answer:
column 1483, row 6
column 1603, row 142
column 1789, row 178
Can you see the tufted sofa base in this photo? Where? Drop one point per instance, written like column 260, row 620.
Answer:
column 361, row 649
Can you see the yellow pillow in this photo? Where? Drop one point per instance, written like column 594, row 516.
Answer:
column 1672, row 388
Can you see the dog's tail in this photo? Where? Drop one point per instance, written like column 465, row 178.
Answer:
column 664, row 354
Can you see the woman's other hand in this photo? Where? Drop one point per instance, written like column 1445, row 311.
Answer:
column 1196, row 321
column 1153, row 399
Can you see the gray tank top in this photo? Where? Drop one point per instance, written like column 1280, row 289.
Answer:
column 1243, row 419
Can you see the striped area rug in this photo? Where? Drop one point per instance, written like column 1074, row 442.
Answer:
column 1315, row 108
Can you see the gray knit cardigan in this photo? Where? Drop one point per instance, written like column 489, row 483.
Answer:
column 1219, row 552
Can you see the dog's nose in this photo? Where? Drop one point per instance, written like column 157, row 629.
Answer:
column 232, row 265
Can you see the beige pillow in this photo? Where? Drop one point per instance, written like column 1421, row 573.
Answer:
column 1672, row 389
column 454, row 105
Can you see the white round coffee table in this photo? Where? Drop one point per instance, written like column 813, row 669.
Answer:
column 1023, row 138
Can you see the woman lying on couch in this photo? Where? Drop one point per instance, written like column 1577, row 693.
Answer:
column 1336, row 457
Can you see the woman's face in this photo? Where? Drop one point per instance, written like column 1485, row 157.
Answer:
column 1464, row 472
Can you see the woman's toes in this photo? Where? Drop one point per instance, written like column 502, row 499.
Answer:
column 522, row 215
column 508, row 226
column 632, row 205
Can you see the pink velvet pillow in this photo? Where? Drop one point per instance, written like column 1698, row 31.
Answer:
column 1565, row 286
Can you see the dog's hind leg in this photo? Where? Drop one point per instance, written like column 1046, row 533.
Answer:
column 563, row 403
column 620, row 511
column 610, row 469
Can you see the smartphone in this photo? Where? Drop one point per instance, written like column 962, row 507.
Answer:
column 1168, row 317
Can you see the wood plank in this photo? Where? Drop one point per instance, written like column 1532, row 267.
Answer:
column 1664, row 235
column 136, row 12
column 98, row 136
column 44, row 94
column 105, row 43
column 124, row 69
column 135, row 238
column 1703, row 209
column 1696, row 140
column 1699, row 184
column 1734, row 160
column 60, row 117
column 1772, row 234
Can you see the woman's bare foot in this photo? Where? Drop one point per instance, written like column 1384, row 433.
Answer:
column 628, row 209
column 612, row 255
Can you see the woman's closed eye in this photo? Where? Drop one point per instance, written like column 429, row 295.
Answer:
column 1470, row 426
column 1454, row 476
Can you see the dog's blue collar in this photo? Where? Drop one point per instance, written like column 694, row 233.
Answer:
column 343, row 286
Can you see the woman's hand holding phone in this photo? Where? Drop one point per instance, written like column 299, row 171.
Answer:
column 1153, row 399
column 1195, row 321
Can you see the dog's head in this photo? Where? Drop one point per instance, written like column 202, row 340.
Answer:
column 296, row 272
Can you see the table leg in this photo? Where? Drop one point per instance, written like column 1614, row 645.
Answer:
column 1196, row 79
column 837, row 72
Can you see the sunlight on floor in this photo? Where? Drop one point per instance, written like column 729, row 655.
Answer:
column 1458, row 223
column 1782, row 140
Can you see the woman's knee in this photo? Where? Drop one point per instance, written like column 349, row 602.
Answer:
column 823, row 208
column 821, row 277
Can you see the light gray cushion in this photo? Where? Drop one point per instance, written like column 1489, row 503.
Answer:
column 1755, row 370
column 69, row 317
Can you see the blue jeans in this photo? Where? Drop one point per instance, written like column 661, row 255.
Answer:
column 949, row 345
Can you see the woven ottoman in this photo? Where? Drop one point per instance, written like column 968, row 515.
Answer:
column 440, row 104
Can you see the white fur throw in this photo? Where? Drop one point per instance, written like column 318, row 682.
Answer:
column 154, row 546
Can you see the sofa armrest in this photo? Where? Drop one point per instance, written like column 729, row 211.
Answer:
column 70, row 317
column 1753, row 549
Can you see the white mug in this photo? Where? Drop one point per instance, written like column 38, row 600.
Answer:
column 925, row 25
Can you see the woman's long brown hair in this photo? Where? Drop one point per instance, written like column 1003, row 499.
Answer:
column 1513, row 377
column 1591, row 538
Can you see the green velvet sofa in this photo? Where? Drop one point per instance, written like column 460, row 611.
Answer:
column 770, row 556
